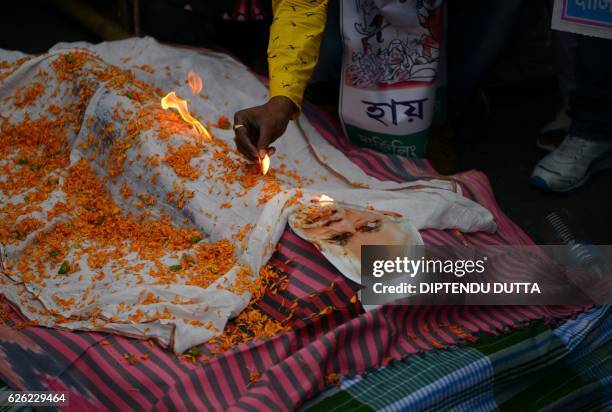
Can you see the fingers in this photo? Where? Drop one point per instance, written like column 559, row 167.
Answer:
column 245, row 136
column 256, row 128
column 265, row 138
column 246, row 151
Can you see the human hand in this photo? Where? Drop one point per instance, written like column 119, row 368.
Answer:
column 257, row 127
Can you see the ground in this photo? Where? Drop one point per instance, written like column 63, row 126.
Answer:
column 505, row 151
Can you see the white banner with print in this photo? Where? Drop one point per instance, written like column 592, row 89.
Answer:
column 390, row 65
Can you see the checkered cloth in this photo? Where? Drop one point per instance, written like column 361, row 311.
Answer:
column 541, row 367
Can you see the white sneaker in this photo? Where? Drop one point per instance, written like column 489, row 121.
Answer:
column 570, row 165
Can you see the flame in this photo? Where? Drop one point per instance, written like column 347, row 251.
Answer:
column 265, row 164
column 172, row 101
column 325, row 198
column 194, row 81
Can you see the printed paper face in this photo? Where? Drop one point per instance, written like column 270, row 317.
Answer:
column 339, row 231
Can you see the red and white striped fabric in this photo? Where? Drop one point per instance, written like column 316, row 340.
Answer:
column 292, row 367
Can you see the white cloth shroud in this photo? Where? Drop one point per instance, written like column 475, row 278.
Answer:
column 229, row 86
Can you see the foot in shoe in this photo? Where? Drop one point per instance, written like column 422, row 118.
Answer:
column 571, row 164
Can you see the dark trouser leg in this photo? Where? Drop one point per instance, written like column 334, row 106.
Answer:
column 564, row 46
column 477, row 29
column 591, row 102
column 330, row 56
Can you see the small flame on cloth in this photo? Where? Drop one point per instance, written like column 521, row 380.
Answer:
column 172, row 101
column 195, row 82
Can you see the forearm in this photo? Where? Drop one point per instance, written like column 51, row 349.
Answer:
column 295, row 39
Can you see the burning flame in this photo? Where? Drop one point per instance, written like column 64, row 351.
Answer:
column 265, row 164
column 172, row 101
column 194, row 81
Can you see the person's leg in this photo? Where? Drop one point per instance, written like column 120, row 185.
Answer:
column 330, row 55
column 564, row 45
column 324, row 85
column 591, row 101
column 477, row 30
column 588, row 146
column 564, row 48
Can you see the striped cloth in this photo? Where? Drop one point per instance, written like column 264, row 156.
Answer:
column 536, row 368
column 290, row 368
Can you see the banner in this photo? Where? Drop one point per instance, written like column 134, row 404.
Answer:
column 588, row 17
column 390, row 67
